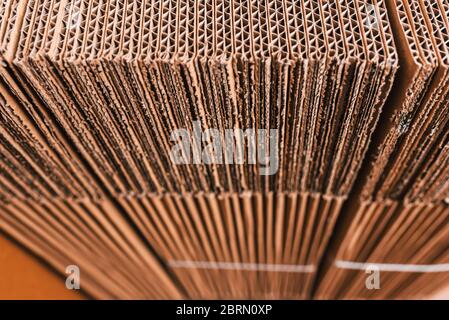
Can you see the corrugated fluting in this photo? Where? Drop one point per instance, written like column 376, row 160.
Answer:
column 312, row 133
column 120, row 77
column 408, row 242
column 397, row 216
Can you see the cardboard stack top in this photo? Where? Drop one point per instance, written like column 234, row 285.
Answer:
column 119, row 78
column 38, row 160
column 411, row 158
column 399, row 215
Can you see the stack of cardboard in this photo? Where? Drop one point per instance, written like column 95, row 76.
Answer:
column 204, row 149
column 399, row 214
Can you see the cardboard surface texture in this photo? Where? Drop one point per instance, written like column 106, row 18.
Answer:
column 310, row 131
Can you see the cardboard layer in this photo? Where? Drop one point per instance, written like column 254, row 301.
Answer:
column 196, row 246
column 119, row 81
column 194, row 149
column 393, row 233
column 408, row 158
column 112, row 259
